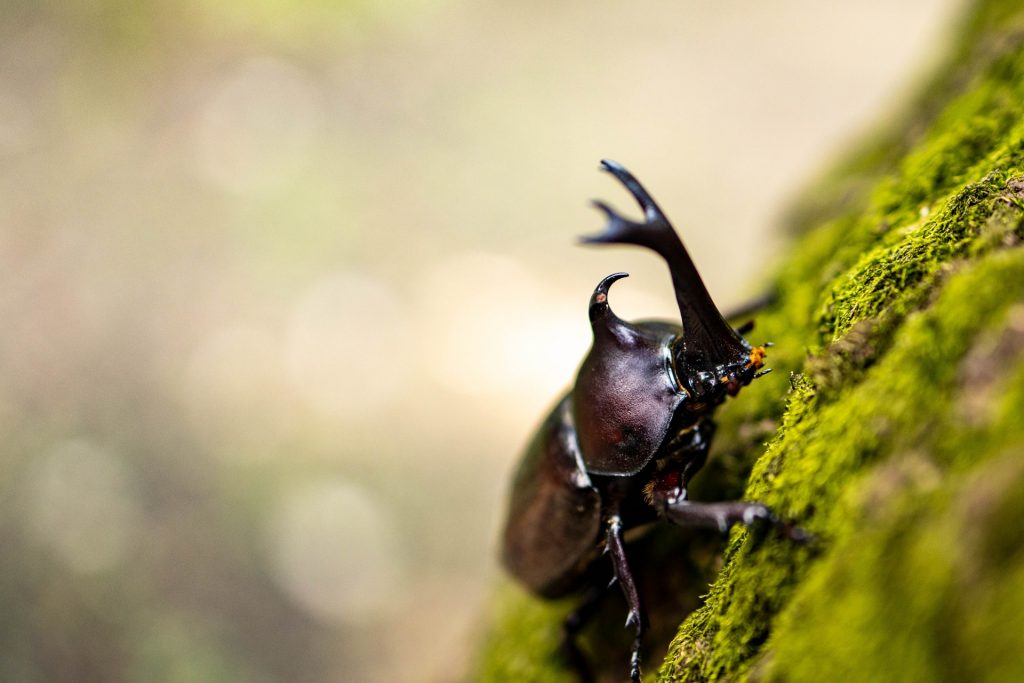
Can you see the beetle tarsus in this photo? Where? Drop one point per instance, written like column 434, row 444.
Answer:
column 634, row 662
column 636, row 616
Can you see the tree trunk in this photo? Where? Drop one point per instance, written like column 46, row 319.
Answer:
column 900, row 324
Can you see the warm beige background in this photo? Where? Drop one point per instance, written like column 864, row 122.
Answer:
column 284, row 287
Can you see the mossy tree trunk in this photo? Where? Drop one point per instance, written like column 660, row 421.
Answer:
column 900, row 317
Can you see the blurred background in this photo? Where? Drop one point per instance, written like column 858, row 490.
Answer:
column 284, row 288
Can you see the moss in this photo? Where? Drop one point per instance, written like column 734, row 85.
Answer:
column 900, row 601
column 524, row 638
column 822, row 469
column 901, row 323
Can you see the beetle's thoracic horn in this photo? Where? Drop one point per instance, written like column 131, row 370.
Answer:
column 602, row 318
column 706, row 333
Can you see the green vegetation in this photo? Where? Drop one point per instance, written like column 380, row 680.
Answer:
column 901, row 317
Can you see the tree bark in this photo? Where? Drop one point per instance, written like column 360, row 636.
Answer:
column 900, row 324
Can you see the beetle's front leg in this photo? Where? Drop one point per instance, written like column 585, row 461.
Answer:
column 668, row 496
column 717, row 515
column 636, row 616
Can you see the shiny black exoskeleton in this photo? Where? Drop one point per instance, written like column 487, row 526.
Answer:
column 621, row 447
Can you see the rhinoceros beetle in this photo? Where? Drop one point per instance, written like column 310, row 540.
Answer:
column 620, row 448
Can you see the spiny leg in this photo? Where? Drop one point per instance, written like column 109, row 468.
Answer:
column 636, row 617
column 674, row 507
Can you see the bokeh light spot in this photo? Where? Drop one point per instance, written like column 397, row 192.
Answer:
column 16, row 122
column 82, row 505
column 235, row 391
column 259, row 126
column 344, row 345
column 489, row 326
column 335, row 553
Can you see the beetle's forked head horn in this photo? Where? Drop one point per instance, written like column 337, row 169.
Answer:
column 707, row 337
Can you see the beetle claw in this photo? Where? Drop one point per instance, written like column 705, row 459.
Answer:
column 761, row 520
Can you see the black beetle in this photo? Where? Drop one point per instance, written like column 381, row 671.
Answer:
column 621, row 447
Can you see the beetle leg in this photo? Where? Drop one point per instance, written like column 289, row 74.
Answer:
column 745, row 329
column 716, row 515
column 667, row 494
column 722, row 516
column 636, row 617
column 750, row 307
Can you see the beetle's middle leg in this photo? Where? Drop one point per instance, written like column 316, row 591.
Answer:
column 636, row 617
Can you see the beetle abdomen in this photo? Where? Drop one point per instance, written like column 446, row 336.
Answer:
column 554, row 516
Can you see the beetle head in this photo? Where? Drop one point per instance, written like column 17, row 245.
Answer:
column 708, row 388
column 709, row 346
